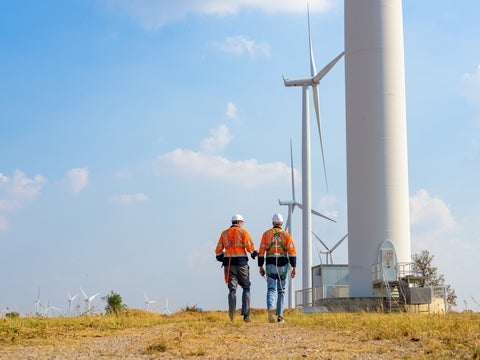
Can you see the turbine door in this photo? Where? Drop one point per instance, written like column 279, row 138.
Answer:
column 388, row 261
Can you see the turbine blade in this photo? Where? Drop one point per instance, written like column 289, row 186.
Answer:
column 291, row 168
column 339, row 242
column 83, row 292
column 321, row 242
column 316, row 78
column 317, row 114
column 313, row 70
column 315, row 212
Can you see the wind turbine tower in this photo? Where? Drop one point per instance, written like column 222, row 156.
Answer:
column 312, row 81
column 376, row 134
column 291, row 207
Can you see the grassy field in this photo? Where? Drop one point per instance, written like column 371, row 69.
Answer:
column 210, row 334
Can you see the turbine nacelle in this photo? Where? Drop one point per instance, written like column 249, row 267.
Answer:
column 314, row 80
column 299, row 82
column 289, row 202
column 329, row 252
column 296, row 203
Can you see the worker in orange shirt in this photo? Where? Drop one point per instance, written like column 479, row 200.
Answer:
column 277, row 250
column 231, row 251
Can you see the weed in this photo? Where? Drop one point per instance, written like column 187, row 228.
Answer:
column 160, row 346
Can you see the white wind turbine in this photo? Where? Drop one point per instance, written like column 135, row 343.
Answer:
column 166, row 310
column 88, row 300
column 328, row 253
column 288, row 227
column 38, row 304
column 148, row 301
column 49, row 307
column 70, row 300
column 305, row 83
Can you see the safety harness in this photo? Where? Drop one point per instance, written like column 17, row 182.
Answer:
column 277, row 242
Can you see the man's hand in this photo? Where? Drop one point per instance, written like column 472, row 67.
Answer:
column 254, row 254
column 262, row 271
column 220, row 257
column 294, row 272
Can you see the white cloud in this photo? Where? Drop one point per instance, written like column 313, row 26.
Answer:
column 239, row 45
column 204, row 164
column 246, row 173
column 231, row 110
column 16, row 192
column 220, row 137
column 153, row 14
column 128, row 199
column 78, row 179
column 23, row 188
column 430, row 218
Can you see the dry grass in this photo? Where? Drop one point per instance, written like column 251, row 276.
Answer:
column 210, row 335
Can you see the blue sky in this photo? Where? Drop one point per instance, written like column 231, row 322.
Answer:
column 131, row 131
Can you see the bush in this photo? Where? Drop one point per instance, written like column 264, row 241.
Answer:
column 12, row 315
column 115, row 305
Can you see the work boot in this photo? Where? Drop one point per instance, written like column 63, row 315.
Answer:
column 246, row 318
column 280, row 319
column 271, row 315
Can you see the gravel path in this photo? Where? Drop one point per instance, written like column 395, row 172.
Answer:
column 255, row 340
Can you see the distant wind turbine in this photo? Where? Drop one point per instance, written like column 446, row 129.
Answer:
column 288, row 227
column 293, row 203
column 38, row 304
column 70, row 300
column 88, row 300
column 148, row 302
column 166, row 310
column 50, row 307
column 328, row 253
column 305, row 83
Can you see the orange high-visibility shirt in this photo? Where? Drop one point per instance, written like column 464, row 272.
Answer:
column 276, row 242
column 235, row 241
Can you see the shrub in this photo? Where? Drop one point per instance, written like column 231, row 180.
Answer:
column 115, row 305
column 12, row 315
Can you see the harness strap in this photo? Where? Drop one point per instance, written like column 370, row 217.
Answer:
column 278, row 240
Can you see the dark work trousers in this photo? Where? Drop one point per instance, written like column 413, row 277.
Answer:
column 238, row 275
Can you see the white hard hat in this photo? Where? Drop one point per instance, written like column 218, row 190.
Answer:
column 238, row 217
column 277, row 219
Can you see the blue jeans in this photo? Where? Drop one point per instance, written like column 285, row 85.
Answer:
column 276, row 281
